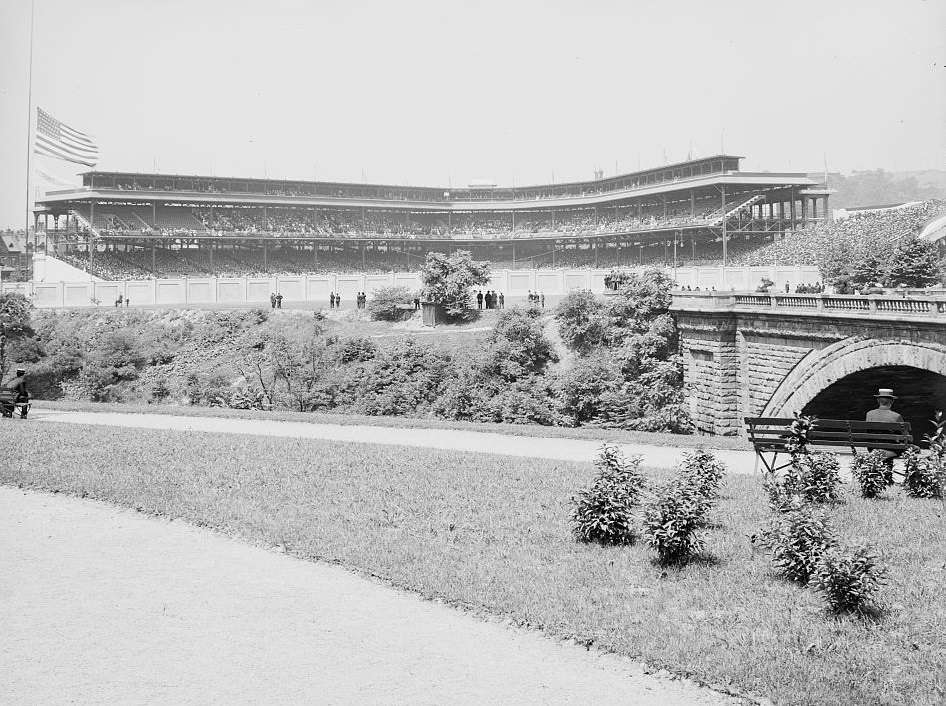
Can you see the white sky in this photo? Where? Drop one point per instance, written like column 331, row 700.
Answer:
column 429, row 92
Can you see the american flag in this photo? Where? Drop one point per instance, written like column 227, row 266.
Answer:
column 57, row 139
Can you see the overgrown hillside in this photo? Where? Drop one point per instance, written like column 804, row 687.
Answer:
column 514, row 366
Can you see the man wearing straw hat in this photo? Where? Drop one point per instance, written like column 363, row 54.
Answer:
column 884, row 413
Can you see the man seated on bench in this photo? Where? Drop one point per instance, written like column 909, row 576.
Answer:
column 20, row 395
column 884, row 413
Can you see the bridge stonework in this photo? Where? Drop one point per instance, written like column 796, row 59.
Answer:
column 762, row 355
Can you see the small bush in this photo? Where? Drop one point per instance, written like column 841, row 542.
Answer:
column 384, row 302
column 923, row 477
column 604, row 512
column 357, row 349
column 671, row 518
column 704, row 472
column 797, row 539
column 847, row 577
column 872, row 473
column 814, row 478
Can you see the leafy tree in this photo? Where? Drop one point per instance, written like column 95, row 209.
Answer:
column 15, row 325
column 518, row 346
column 642, row 297
column 384, row 302
column 582, row 321
column 916, row 263
column 582, row 387
column 866, row 271
column 448, row 280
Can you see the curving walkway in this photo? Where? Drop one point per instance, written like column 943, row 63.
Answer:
column 101, row 605
column 454, row 440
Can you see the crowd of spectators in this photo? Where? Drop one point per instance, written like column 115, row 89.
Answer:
column 859, row 235
column 286, row 222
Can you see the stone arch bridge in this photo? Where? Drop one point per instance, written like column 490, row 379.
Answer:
column 773, row 355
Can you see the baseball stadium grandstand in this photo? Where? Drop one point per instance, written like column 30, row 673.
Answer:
column 701, row 212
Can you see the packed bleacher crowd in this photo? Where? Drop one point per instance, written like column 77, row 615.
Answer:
column 123, row 263
column 856, row 236
column 237, row 221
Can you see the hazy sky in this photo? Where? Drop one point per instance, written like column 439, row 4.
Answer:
column 436, row 92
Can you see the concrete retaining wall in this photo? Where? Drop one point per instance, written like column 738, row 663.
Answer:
column 51, row 293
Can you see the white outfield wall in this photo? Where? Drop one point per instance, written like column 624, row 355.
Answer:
column 315, row 289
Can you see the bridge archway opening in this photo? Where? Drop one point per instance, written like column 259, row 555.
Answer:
column 920, row 393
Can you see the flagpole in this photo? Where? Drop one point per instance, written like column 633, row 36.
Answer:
column 29, row 152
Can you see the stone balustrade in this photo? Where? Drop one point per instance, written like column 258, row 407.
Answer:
column 870, row 305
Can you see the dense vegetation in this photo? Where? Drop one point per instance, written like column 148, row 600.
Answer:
column 626, row 375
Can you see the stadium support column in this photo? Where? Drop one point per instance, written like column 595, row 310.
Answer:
column 362, row 254
column 725, row 235
column 513, row 256
column 211, row 256
column 265, row 264
column 91, row 226
column 792, row 213
column 804, row 210
column 153, row 256
column 692, row 203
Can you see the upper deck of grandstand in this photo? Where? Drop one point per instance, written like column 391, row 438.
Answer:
column 694, row 175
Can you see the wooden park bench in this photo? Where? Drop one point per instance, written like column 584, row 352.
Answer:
column 772, row 435
column 9, row 404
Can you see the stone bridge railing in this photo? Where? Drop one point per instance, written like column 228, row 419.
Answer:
column 870, row 305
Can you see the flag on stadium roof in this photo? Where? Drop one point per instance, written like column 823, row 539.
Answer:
column 56, row 139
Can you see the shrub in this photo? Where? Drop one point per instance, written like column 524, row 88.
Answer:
column 518, row 346
column 701, row 469
column 357, row 349
column 847, row 577
column 583, row 385
column 797, row 539
column 923, row 477
column 812, row 478
column 671, row 518
column 582, row 321
column 872, row 473
column 604, row 512
column 384, row 302
column 403, row 378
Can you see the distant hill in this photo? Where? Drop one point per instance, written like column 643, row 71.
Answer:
column 879, row 187
column 928, row 177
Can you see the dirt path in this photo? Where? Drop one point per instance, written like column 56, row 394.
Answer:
column 471, row 441
column 103, row 605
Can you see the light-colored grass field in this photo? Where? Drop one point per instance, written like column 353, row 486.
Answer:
column 491, row 533
column 620, row 436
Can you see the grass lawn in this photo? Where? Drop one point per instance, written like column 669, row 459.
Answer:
column 620, row 436
column 491, row 533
